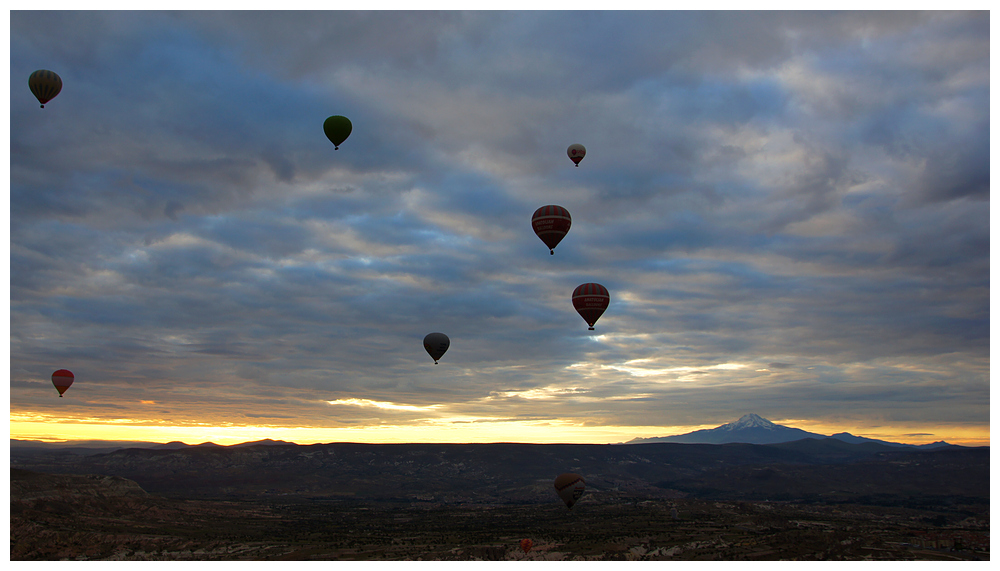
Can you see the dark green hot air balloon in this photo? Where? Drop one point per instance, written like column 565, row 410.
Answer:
column 337, row 129
column 45, row 85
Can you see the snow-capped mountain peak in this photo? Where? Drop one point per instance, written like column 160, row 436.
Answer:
column 754, row 429
column 749, row 421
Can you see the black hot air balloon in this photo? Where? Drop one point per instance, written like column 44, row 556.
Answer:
column 45, row 85
column 436, row 344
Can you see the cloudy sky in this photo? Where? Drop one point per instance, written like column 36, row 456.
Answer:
column 789, row 209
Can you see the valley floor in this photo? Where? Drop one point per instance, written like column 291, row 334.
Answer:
column 155, row 528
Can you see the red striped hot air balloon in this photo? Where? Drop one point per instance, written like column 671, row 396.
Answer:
column 551, row 223
column 62, row 379
column 526, row 545
column 590, row 301
column 45, row 85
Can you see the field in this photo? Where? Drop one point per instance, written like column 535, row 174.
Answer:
column 92, row 523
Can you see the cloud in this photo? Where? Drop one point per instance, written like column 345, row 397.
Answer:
column 788, row 210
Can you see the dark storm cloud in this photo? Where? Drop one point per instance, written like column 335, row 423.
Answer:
column 789, row 209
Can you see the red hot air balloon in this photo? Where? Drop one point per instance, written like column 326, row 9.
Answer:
column 570, row 487
column 45, row 85
column 62, row 379
column 590, row 301
column 526, row 545
column 576, row 152
column 551, row 223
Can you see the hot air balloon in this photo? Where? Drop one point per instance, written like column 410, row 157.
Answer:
column 551, row 223
column 436, row 344
column 590, row 301
column 62, row 379
column 45, row 85
column 570, row 487
column 526, row 545
column 337, row 129
column 576, row 153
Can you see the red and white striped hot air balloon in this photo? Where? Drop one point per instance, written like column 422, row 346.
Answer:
column 551, row 223
column 590, row 301
column 62, row 379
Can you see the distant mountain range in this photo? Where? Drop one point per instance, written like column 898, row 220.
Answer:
column 104, row 446
column 809, row 469
column 754, row 429
column 749, row 429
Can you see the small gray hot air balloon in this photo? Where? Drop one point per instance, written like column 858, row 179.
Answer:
column 576, row 153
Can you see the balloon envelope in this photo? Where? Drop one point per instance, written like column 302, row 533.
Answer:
column 338, row 129
column 570, row 487
column 436, row 344
column 576, row 152
column 62, row 379
column 45, row 85
column 526, row 545
column 551, row 223
column 590, row 301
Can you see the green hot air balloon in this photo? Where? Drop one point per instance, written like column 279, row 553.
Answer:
column 337, row 129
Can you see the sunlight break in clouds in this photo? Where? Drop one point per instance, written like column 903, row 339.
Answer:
column 681, row 374
column 536, row 393
column 631, row 368
column 383, row 405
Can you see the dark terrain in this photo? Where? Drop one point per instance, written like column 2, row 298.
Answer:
column 811, row 499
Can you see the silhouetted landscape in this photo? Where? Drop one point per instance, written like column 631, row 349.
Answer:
column 808, row 499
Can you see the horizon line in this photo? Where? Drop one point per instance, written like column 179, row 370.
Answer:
column 77, row 442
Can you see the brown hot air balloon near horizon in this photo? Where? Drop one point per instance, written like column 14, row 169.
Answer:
column 570, row 487
column 590, row 301
column 62, row 379
column 551, row 223
column 526, row 545
column 45, row 85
